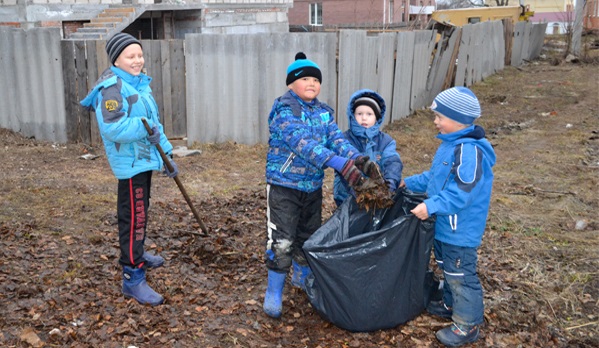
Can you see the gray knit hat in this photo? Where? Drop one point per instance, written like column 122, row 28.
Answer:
column 116, row 44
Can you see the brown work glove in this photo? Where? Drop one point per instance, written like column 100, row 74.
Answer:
column 368, row 167
column 352, row 174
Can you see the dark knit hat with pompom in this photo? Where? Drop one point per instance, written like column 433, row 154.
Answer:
column 302, row 67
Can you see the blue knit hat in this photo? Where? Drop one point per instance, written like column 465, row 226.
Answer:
column 302, row 67
column 116, row 44
column 457, row 103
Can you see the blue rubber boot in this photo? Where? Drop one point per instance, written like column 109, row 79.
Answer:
column 299, row 275
column 457, row 335
column 135, row 286
column 273, row 299
column 153, row 261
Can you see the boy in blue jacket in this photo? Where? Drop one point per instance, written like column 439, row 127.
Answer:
column 304, row 140
column 366, row 112
column 458, row 186
column 121, row 98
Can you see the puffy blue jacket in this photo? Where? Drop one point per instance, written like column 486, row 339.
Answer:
column 372, row 142
column 458, row 185
column 303, row 137
column 120, row 100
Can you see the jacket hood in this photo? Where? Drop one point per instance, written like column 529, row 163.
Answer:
column 472, row 134
column 109, row 77
column 355, row 127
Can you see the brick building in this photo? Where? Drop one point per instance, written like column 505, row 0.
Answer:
column 311, row 14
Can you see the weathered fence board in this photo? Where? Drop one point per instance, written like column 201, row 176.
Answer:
column 443, row 62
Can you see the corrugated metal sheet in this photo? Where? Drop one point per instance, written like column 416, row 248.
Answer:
column 404, row 63
column 31, row 74
column 239, row 77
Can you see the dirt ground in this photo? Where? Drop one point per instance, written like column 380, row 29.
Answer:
column 60, row 282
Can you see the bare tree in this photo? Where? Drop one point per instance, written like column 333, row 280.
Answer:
column 450, row 4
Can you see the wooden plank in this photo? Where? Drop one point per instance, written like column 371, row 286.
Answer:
column 81, row 81
column 69, row 72
column 92, row 77
column 508, row 34
column 153, row 68
column 449, row 82
column 443, row 61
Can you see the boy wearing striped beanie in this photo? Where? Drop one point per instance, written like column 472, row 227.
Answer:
column 458, row 186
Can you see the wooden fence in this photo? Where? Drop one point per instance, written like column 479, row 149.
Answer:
column 218, row 87
column 84, row 61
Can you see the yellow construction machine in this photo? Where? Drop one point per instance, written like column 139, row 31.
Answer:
column 462, row 16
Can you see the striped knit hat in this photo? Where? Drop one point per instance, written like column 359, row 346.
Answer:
column 116, row 44
column 457, row 103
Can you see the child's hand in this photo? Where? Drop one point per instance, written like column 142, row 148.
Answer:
column 420, row 211
column 402, row 183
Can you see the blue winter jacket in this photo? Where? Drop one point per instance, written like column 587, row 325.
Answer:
column 120, row 100
column 458, row 185
column 303, row 137
column 372, row 142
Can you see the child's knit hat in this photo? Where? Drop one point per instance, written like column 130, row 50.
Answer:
column 371, row 102
column 302, row 67
column 457, row 103
column 116, row 44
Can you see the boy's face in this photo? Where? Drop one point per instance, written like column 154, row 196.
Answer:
column 365, row 116
column 446, row 125
column 307, row 88
column 131, row 60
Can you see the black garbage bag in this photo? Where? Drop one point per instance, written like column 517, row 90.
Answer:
column 370, row 269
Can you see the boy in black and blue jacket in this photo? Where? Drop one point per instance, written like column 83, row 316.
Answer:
column 304, row 140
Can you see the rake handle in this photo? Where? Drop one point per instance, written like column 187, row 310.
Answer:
column 170, row 168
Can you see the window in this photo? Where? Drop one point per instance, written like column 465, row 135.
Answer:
column 315, row 14
column 473, row 20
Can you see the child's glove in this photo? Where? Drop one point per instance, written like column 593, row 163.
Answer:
column 352, row 174
column 174, row 172
column 367, row 166
column 155, row 137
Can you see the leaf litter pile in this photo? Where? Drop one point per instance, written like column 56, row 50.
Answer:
column 374, row 193
column 60, row 282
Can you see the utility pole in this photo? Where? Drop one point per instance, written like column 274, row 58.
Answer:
column 577, row 30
